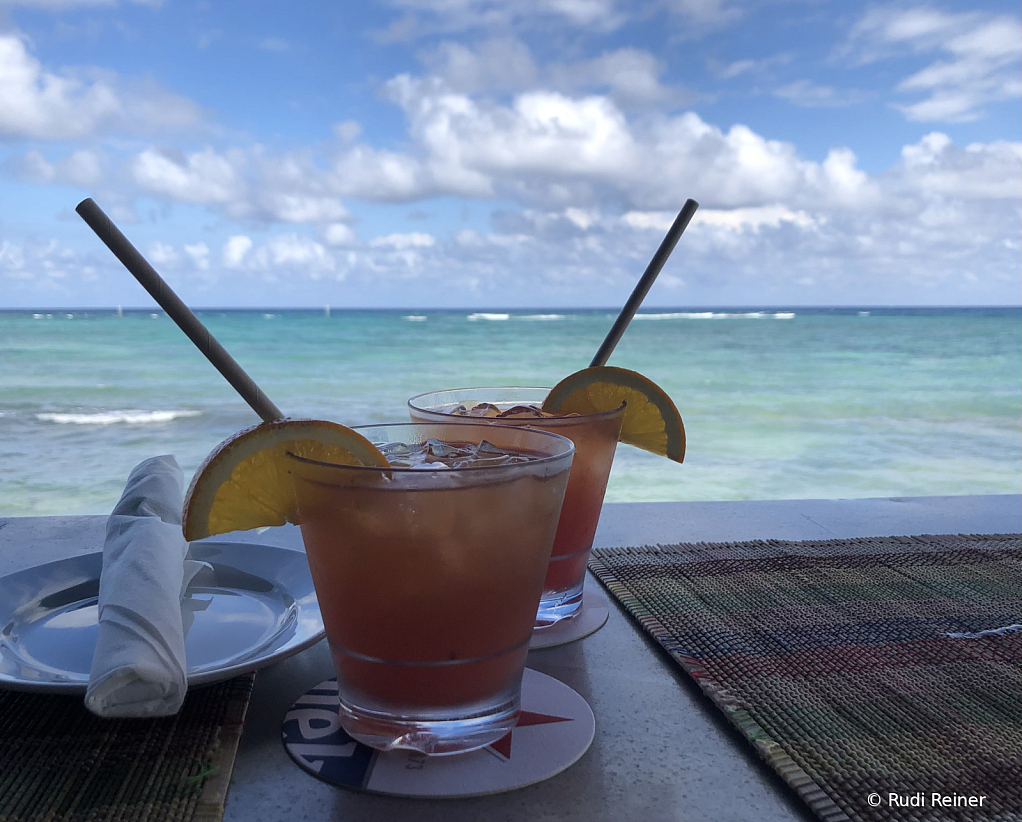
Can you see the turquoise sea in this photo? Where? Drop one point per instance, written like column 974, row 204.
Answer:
column 778, row 403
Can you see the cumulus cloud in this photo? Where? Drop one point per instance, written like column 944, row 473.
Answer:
column 36, row 103
column 245, row 183
column 550, row 149
column 978, row 58
column 81, row 168
column 977, row 171
column 630, row 76
column 198, row 253
column 339, row 234
column 48, row 268
column 496, row 64
column 235, row 250
column 290, row 251
column 200, row 177
column 735, row 219
column 162, row 254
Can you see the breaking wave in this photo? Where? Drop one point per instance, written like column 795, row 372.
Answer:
column 717, row 315
column 114, row 417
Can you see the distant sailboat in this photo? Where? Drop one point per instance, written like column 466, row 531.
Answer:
column 326, row 310
column 120, row 311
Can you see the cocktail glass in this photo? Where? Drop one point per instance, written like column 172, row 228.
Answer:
column 429, row 578
column 595, row 437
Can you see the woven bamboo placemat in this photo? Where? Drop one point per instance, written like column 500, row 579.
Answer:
column 59, row 763
column 871, row 674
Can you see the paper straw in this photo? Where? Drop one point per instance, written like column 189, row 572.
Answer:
column 642, row 287
column 177, row 310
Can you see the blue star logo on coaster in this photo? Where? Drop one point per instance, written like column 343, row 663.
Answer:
column 555, row 729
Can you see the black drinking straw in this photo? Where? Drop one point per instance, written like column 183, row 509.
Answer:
column 177, row 310
column 645, row 282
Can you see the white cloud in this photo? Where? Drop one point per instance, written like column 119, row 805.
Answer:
column 304, row 208
column 401, row 241
column 738, row 68
column 808, row 94
column 347, row 131
column 427, row 17
column 243, row 182
column 37, row 103
column 553, row 150
column 544, row 149
column 736, row 219
column 378, row 174
column 161, row 254
column 235, row 250
column 979, row 171
column 199, row 255
column 81, row 168
column 631, row 76
column 339, row 234
column 980, row 59
column 494, row 64
column 201, row 177
column 583, row 218
column 42, row 268
column 287, row 252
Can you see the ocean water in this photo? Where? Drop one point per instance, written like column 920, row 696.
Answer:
column 799, row 403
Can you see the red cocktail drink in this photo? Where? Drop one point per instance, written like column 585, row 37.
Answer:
column 429, row 574
column 595, row 437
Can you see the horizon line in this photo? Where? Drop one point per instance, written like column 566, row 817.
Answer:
column 537, row 309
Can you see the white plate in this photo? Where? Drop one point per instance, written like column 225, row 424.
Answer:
column 260, row 607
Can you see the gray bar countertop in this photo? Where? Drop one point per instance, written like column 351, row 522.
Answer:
column 662, row 751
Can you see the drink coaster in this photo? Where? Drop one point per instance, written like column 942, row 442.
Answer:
column 593, row 614
column 556, row 727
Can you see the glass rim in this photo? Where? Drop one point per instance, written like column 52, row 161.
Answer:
column 547, row 458
column 565, row 420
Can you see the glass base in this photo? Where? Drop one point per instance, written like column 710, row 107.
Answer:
column 556, row 606
column 442, row 737
column 435, row 708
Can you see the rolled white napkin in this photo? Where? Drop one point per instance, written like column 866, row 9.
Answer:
column 139, row 667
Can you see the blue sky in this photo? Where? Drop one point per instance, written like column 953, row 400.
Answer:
column 478, row 153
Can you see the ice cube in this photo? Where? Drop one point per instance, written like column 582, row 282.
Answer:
column 488, row 449
column 484, row 409
column 443, row 450
column 431, row 465
column 395, row 450
column 519, row 411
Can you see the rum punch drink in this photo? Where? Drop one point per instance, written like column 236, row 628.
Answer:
column 429, row 574
column 595, row 437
